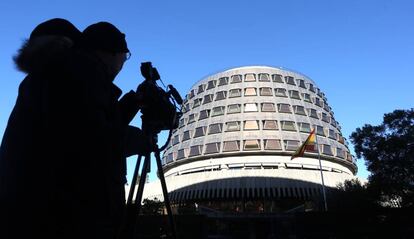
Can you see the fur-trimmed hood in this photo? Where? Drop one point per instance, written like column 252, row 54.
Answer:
column 36, row 53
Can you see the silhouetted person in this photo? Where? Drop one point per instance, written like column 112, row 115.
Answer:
column 62, row 158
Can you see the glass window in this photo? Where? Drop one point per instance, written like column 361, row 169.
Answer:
column 266, row 91
column 251, row 125
column 192, row 117
column 302, row 83
column 268, row 107
column 304, row 127
column 306, row 97
column 340, row 153
column 231, row 146
column 249, row 77
column 326, row 106
column 280, row 92
column 204, row 114
column 186, row 135
column 333, row 122
column 181, row 154
column 294, row 94
column 187, row 107
column 215, row 128
column 277, row 78
column 311, row 88
column 250, row 91
column 319, row 130
column 290, row 80
column 299, row 110
column 192, row 94
column 234, row 93
column 236, row 79
column 208, row 98
column 326, row 149
column 318, row 102
column 223, row 81
column 219, row 110
column 284, row 108
column 291, row 145
column 233, row 126
column 251, row 144
column 264, row 77
column 181, row 122
column 272, row 144
column 325, row 117
column 332, row 134
column 170, row 157
column 201, row 88
column 197, row 102
column 288, row 125
column 312, row 113
column 212, row 148
column 235, row 108
column 250, row 107
column 200, row 131
column 319, row 92
column 221, row 95
column 195, row 150
column 176, row 139
column 211, row 84
column 270, row 125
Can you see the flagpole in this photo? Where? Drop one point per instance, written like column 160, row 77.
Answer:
column 320, row 167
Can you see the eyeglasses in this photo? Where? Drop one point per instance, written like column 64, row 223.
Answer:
column 127, row 55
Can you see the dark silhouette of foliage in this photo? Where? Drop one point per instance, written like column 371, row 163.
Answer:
column 152, row 207
column 388, row 150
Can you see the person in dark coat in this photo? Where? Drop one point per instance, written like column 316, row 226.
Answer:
column 62, row 157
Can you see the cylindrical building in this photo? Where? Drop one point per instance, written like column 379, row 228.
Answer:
column 236, row 137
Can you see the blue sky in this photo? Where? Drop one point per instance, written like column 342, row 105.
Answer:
column 360, row 53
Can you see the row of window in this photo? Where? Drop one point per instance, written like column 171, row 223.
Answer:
column 249, row 125
column 249, row 145
column 254, row 107
column 263, row 91
column 251, row 77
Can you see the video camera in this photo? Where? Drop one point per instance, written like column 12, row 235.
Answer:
column 160, row 111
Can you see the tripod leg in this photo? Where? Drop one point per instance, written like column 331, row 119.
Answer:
column 134, row 181
column 165, row 193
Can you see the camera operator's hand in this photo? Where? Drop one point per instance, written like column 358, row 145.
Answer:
column 136, row 142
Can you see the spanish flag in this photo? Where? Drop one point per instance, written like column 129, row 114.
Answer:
column 308, row 145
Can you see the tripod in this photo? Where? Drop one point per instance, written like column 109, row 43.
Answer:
column 134, row 206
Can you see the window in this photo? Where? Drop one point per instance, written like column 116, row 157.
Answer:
column 176, row 139
column 270, row 125
column 251, row 144
column 266, row 91
column 249, row 77
column 291, row 145
column 186, row 135
column 211, row 84
column 233, row 126
column 200, row 131
column 326, row 149
column 294, row 94
column 280, row 92
column 284, row 108
column 306, row 97
column 340, row 153
column 319, row 92
column 319, row 130
column 332, row 134
column 268, row 107
column 312, row 113
column 251, row 125
column 223, row 81
column 299, row 110
column 235, row 108
column 264, row 77
column 181, row 122
column 204, row 114
column 333, row 122
column 318, row 102
column 290, row 80
column 288, row 125
column 236, row 78
column 170, row 157
column 221, row 95
column 195, row 150
column 326, row 106
column 215, row 128
column 325, row 118
column 219, row 110
column 234, row 93
column 277, row 78
column 187, row 107
column 250, row 107
column 192, row 94
column 301, row 83
column 208, row 98
column 272, row 144
column 231, row 146
column 201, row 88
column 304, row 127
column 191, row 118
column 197, row 102
column 250, row 91
column 181, row 154
column 212, row 148
column 311, row 88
